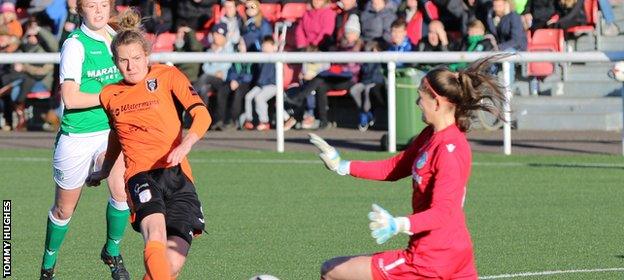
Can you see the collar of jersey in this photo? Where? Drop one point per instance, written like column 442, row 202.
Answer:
column 96, row 36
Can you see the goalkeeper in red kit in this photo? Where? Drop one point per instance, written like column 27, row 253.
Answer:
column 439, row 163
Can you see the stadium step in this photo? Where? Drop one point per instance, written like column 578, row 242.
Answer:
column 567, row 113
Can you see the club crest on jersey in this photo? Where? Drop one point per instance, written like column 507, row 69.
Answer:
column 152, row 84
column 421, row 161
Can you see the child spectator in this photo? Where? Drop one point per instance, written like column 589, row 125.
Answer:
column 256, row 27
column 371, row 84
column 476, row 41
column 264, row 90
column 399, row 42
column 215, row 74
column 348, row 9
column 316, row 26
column 186, row 41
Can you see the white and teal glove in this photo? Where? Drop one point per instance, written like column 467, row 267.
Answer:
column 330, row 156
column 384, row 226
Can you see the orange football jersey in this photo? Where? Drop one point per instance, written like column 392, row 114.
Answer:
column 147, row 117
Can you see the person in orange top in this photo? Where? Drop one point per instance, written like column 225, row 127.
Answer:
column 145, row 113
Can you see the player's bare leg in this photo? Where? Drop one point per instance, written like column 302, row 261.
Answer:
column 347, row 268
column 154, row 233
column 177, row 250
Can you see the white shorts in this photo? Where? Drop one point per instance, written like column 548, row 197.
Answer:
column 75, row 156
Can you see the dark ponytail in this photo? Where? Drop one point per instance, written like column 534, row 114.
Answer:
column 470, row 90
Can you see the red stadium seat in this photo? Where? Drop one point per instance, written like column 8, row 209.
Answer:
column 271, row 11
column 339, row 92
column 549, row 40
column 214, row 18
column 38, row 95
column 291, row 75
column 432, row 10
column 293, row 11
column 164, row 42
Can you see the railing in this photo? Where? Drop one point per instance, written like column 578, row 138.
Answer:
column 390, row 58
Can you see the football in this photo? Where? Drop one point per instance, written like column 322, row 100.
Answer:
column 264, row 277
column 618, row 71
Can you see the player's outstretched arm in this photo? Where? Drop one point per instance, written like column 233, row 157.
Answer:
column 384, row 226
column 330, row 156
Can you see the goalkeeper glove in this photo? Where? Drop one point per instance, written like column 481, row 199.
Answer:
column 330, row 156
column 384, row 226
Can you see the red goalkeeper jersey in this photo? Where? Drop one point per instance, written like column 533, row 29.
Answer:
column 439, row 164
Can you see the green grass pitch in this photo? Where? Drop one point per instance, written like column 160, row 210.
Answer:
column 283, row 214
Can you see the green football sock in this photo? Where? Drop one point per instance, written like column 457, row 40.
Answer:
column 54, row 238
column 116, row 221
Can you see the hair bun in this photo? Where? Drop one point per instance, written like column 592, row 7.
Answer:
column 129, row 19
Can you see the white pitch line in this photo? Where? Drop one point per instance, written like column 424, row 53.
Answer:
column 545, row 273
column 307, row 161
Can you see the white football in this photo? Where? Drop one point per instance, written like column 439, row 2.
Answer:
column 618, row 71
column 264, row 277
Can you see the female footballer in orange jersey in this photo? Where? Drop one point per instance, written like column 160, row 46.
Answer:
column 145, row 112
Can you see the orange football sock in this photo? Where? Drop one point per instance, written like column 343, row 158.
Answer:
column 156, row 263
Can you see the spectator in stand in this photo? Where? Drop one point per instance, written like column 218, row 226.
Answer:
column 506, row 26
column 610, row 28
column 186, row 41
column 348, row 9
column 158, row 15
column 256, row 27
column 569, row 13
column 11, row 77
column 476, row 41
column 414, row 19
column 376, row 21
column 9, row 19
column 399, row 42
column 537, row 13
column 71, row 22
column 371, row 84
column 454, row 14
column 234, row 23
column 437, row 40
column 264, row 90
column 308, row 73
column 316, row 26
column 193, row 13
column 215, row 74
column 239, row 79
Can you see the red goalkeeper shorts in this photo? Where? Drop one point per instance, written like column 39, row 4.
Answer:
column 401, row 265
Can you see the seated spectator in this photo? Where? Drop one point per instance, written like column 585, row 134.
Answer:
column 371, row 84
column 453, row 14
column 193, row 13
column 239, row 79
column 537, row 13
column 234, row 23
column 437, row 40
column 264, row 90
column 158, row 16
column 9, row 19
column 348, row 10
column 399, row 42
column 316, row 26
column 476, row 41
column 414, row 19
column 186, row 41
column 308, row 73
column 256, row 27
column 506, row 26
column 214, row 75
column 569, row 13
column 376, row 20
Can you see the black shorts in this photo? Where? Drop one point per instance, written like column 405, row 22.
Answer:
column 170, row 192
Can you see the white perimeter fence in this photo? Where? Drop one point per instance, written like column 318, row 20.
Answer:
column 390, row 58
